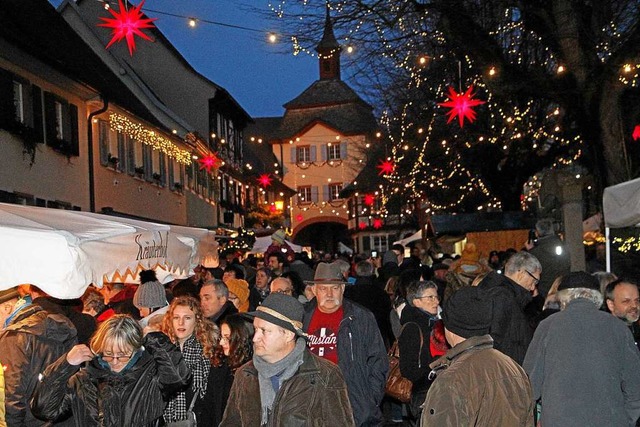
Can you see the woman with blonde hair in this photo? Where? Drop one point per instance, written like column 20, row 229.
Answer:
column 196, row 336
column 119, row 379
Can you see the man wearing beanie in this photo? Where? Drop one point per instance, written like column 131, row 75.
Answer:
column 285, row 384
column 476, row 385
column 583, row 363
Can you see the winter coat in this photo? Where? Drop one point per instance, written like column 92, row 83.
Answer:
column 227, row 309
column 367, row 294
column 85, row 324
column 3, row 423
column 414, row 362
column 211, row 408
column 553, row 264
column 99, row 397
column 315, row 396
column 510, row 328
column 362, row 358
column 585, row 367
column 33, row 340
column 477, row 385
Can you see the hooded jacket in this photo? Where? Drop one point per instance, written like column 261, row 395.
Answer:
column 102, row 398
column 315, row 396
column 510, row 328
column 362, row 358
column 33, row 340
column 478, row 386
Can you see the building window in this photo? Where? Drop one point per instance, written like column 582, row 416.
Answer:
column 333, row 151
column 303, row 154
column 304, row 194
column 18, row 101
column 379, row 243
column 59, row 120
column 334, row 191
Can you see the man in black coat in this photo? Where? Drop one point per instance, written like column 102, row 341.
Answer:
column 370, row 296
column 511, row 293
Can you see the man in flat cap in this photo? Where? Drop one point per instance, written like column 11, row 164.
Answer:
column 476, row 385
column 583, row 363
column 285, row 384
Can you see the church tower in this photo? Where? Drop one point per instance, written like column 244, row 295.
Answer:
column 329, row 52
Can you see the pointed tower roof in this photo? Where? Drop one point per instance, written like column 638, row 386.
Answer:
column 329, row 41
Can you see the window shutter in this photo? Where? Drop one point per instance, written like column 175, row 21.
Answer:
column 343, row 150
column 7, row 111
column 131, row 156
column 103, row 142
column 50, row 119
column 313, row 153
column 323, row 152
column 38, row 122
column 122, row 153
column 294, row 155
column 73, row 135
column 325, row 193
column 27, row 104
column 314, row 194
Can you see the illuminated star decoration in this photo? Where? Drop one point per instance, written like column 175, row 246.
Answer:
column 264, row 180
column 369, row 199
column 636, row 132
column 386, row 167
column 362, row 225
column 127, row 24
column 461, row 105
column 299, row 218
column 209, row 162
column 377, row 223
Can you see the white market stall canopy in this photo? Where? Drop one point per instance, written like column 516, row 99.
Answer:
column 621, row 204
column 62, row 252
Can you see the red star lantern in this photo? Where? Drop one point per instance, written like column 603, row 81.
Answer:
column 272, row 208
column 264, row 180
column 636, row 132
column 377, row 223
column 126, row 24
column 386, row 167
column 362, row 225
column 209, row 162
column 369, row 199
column 461, row 105
column 299, row 218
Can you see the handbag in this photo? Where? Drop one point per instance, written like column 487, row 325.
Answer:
column 191, row 420
column 397, row 386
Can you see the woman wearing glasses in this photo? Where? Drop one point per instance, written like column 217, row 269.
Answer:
column 197, row 337
column 418, row 319
column 118, row 380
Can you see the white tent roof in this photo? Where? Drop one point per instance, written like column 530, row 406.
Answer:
column 414, row 237
column 621, row 204
column 62, row 252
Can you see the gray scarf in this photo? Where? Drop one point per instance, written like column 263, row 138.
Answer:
column 283, row 370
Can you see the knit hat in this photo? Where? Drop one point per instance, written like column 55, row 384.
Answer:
column 150, row 295
column 468, row 312
column 239, row 288
column 579, row 279
column 278, row 236
column 327, row 273
column 469, row 262
column 282, row 310
column 390, row 256
column 9, row 294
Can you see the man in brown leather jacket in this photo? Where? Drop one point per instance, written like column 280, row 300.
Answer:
column 476, row 385
column 285, row 384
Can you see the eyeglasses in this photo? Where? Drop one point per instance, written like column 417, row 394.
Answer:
column 116, row 358
column 223, row 338
column 284, row 291
column 536, row 279
column 429, row 297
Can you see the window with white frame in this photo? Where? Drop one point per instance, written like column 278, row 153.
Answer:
column 18, row 101
column 379, row 242
column 334, row 191
column 304, row 194
column 333, row 151
column 303, row 154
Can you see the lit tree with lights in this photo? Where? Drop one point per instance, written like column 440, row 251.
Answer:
column 559, row 78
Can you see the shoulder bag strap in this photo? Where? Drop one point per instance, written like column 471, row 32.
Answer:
column 193, row 399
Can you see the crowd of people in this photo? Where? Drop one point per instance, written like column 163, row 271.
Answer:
column 514, row 339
